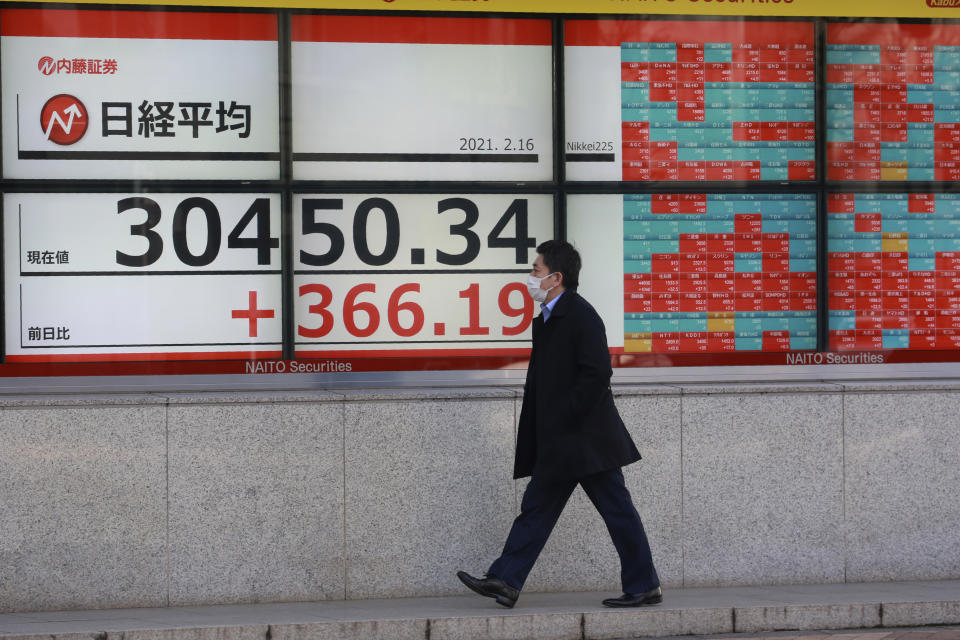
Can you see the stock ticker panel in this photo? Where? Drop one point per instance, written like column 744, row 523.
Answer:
column 894, row 271
column 719, row 101
column 893, row 102
column 714, row 273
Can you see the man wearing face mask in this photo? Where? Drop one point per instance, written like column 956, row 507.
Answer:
column 570, row 433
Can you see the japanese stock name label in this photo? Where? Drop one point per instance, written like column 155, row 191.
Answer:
column 125, row 94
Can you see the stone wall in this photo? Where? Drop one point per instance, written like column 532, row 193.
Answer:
column 160, row 499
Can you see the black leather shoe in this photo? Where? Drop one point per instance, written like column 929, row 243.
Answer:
column 491, row 587
column 654, row 596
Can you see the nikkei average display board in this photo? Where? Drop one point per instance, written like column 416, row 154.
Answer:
column 139, row 95
column 185, row 276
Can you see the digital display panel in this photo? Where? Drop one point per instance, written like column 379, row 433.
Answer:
column 422, row 98
column 703, row 273
column 407, row 275
column 113, row 277
column 893, row 102
column 894, row 271
column 389, row 279
column 689, row 101
column 139, row 94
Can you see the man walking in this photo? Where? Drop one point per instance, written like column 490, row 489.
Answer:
column 570, row 433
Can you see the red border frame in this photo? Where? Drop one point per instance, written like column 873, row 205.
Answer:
column 357, row 363
column 172, row 25
column 611, row 33
column 900, row 34
column 421, row 30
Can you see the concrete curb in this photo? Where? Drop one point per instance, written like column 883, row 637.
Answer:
column 562, row 616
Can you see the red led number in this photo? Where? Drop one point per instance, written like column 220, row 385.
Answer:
column 405, row 317
column 395, row 307
column 320, row 309
column 351, row 307
column 524, row 311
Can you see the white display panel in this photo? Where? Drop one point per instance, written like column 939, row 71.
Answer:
column 139, row 95
column 595, row 226
column 400, row 273
column 396, row 98
column 127, row 276
column 592, row 78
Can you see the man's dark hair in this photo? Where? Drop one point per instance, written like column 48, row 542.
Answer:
column 560, row 255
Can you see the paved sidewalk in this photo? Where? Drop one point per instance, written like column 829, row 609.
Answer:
column 876, row 609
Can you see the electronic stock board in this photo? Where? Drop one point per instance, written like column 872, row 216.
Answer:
column 719, row 269
column 703, row 273
column 893, row 102
column 689, row 101
column 893, row 114
column 194, row 275
column 894, row 271
column 704, row 101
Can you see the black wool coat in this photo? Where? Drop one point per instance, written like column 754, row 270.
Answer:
column 569, row 427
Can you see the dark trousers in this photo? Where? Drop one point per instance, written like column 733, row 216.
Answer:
column 541, row 507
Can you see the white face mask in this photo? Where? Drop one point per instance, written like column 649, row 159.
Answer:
column 533, row 287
